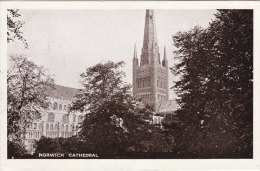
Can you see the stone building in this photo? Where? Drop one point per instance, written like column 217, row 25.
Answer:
column 150, row 75
column 56, row 121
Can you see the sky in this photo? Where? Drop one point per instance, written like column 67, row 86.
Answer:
column 66, row 42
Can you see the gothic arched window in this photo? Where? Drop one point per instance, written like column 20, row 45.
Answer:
column 138, row 84
column 67, row 128
column 47, row 126
column 62, row 127
column 35, row 126
column 55, row 106
column 65, row 107
column 66, row 118
column 149, row 82
column 51, row 127
column 60, row 107
column 51, row 117
column 56, row 127
column 40, row 126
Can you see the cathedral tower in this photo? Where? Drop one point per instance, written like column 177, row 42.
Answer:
column 150, row 76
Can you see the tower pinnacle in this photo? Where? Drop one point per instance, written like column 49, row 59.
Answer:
column 165, row 61
column 135, row 53
column 164, row 54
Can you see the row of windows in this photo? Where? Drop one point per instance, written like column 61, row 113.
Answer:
column 55, row 106
column 161, row 84
column 161, row 97
column 157, row 120
column 33, row 134
column 67, row 128
column 65, row 118
column 143, row 82
column 148, row 96
column 66, row 134
column 144, row 96
column 56, row 134
column 53, row 134
column 146, row 82
column 54, row 127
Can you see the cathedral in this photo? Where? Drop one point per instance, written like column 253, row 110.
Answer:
column 150, row 74
column 150, row 83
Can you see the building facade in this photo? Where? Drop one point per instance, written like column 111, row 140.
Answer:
column 56, row 121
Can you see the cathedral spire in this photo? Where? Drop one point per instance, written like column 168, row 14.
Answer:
column 150, row 76
column 150, row 51
column 135, row 53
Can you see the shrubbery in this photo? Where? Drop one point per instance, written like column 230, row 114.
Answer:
column 59, row 145
column 15, row 150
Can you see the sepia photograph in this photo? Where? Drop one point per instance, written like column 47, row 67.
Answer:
column 146, row 83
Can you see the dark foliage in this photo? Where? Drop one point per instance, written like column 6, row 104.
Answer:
column 60, row 145
column 15, row 150
column 216, row 86
column 114, row 121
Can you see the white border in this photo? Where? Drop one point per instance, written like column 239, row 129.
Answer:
column 127, row 164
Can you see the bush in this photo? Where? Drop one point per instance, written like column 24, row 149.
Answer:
column 15, row 150
column 59, row 145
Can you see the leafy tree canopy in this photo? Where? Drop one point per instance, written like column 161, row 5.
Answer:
column 216, row 85
column 26, row 94
column 114, row 121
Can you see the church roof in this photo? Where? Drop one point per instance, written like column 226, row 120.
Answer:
column 168, row 106
column 62, row 92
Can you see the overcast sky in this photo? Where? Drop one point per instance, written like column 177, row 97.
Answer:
column 68, row 41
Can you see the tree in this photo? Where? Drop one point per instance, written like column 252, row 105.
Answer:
column 15, row 146
column 14, row 26
column 233, row 32
column 114, row 122
column 100, row 82
column 216, row 86
column 26, row 95
column 192, row 70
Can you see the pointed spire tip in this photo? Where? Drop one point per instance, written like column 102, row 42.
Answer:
column 135, row 53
